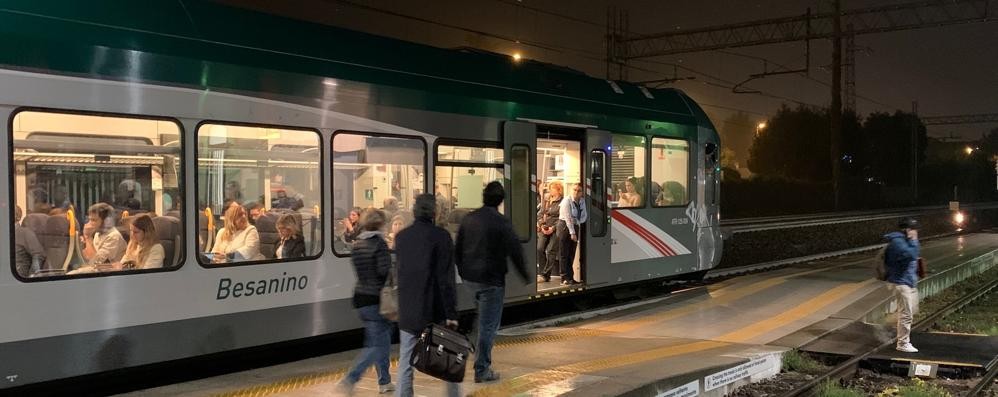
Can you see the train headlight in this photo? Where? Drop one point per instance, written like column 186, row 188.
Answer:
column 958, row 218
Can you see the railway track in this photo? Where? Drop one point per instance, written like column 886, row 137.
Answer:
column 849, row 367
column 744, row 225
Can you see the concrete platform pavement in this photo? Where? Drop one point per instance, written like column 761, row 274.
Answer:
column 716, row 339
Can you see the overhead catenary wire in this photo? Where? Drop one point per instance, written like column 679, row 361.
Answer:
column 577, row 52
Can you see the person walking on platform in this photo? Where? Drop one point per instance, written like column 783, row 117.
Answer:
column 901, row 264
column 426, row 285
column 372, row 263
column 484, row 241
column 571, row 215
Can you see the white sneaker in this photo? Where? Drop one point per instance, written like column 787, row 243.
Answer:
column 907, row 348
column 382, row 389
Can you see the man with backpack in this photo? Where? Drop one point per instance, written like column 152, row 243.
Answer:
column 900, row 267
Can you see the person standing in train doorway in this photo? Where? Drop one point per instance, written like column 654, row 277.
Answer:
column 426, row 285
column 484, row 241
column 901, row 264
column 571, row 215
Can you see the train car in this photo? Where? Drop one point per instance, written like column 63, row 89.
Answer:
column 218, row 124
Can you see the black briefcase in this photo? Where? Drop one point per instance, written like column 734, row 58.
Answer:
column 442, row 353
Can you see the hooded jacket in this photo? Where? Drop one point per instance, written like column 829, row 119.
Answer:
column 901, row 259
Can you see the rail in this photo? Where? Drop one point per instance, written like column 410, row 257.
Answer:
column 849, row 366
column 742, row 225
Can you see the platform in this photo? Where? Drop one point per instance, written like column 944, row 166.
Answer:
column 712, row 341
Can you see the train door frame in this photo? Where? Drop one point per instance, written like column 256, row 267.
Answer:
column 568, row 135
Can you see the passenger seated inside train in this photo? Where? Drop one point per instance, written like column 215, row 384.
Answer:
column 671, row 193
column 255, row 210
column 400, row 221
column 630, row 196
column 292, row 245
column 101, row 241
column 351, row 226
column 237, row 240
column 29, row 255
column 144, row 250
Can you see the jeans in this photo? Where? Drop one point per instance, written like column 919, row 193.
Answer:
column 907, row 301
column 567, row 251
column 407, row 343
column 490, row 299
column 377, row 343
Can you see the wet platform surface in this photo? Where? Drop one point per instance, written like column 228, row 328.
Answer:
column 643, row 350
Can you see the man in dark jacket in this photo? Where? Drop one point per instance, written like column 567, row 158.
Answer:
column 425, row 285
column 901, row 263
column 484, row 241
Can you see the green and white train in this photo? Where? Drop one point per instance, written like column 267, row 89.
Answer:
column 176, row 109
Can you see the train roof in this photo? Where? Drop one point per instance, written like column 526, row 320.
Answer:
column 208, row 45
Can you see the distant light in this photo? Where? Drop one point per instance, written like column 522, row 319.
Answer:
column 761, row 125
column 958, row 218
column 968, row 150
column 329, row 82
column 517, row 56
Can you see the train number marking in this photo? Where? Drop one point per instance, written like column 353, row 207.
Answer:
column 11, row 378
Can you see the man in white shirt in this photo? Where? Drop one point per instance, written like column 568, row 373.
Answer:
column 571, row 215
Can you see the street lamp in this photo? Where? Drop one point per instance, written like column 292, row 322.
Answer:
column 759, row 127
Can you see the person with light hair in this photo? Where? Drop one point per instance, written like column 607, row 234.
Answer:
column 237, row 240
column 292, row 245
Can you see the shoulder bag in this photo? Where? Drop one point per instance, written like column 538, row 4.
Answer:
column 389, row 301
column 442, row 353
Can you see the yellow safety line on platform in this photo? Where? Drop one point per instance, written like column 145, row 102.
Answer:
column 532, row 381
column 800, row 311
column 566, row 371
column 302, row 381
column 719, row 297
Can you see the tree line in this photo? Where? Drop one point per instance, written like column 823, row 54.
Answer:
column 782, row 165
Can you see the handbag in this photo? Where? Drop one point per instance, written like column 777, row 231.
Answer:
column 442, row 353
column 389, row 301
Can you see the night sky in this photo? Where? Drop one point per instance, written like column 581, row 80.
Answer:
column 949, row 70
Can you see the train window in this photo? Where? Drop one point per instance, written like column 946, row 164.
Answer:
column 670, row 159
column 384, row 172
column 461, row 173
column 627, row 163
column 597, row 171
column 95, row 194
column 519, row 191
column 259, row 192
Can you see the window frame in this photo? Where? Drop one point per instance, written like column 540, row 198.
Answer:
column 529, row 192
column 197, row 193
column 182, row 177
column 601, row 193
column 647, row 176
column 689, row 146
column 464, row 143
column 332, row 172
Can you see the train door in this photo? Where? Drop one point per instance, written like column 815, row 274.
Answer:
column 520, row 176
column 559, row 175
column 597, row 238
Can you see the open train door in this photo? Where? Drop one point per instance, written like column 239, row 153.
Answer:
column 520, row 174
column 597, row 239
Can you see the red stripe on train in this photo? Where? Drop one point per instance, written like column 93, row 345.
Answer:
column 657, row 243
